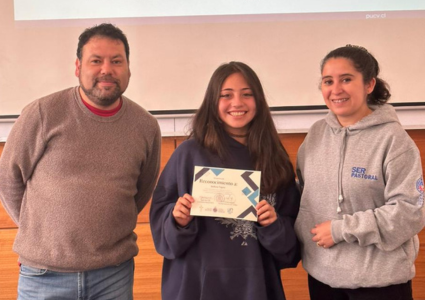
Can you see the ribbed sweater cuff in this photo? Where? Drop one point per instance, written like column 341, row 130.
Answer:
column 336, row 231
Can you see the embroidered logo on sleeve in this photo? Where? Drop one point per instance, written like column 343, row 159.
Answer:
column 358, row 172
column 420, row 188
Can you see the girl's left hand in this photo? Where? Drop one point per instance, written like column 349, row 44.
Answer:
column 266, row 213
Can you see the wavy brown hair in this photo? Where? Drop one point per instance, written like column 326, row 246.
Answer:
column 265, row 148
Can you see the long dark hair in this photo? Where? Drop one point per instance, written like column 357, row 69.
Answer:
column 368, row 66
column 267, row 152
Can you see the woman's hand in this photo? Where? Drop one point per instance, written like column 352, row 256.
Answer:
column 266, row 213
column 322, row 235
column 181, row 211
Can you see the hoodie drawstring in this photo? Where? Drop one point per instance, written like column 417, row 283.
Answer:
column 341, row 163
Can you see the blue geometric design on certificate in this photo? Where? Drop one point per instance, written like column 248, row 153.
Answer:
column 201, row 173
column 253, row 197
column 246, row 191
column 255, row 194
column 217, row 171
column 248, row 180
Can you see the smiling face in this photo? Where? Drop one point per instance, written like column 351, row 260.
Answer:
column 103, row 72
column 344, row 91
column 236, row 106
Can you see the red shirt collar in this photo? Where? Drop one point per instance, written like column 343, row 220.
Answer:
column 103, row 112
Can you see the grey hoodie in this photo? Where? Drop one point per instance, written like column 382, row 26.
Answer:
column 366, row 179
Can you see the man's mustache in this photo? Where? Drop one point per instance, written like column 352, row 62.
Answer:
column 106, row 79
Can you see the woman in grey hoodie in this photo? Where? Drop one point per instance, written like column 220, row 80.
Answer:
column 363, row 190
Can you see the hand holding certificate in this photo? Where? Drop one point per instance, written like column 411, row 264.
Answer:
column 226, row 193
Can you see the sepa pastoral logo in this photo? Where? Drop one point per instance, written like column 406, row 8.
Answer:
column 420, row 188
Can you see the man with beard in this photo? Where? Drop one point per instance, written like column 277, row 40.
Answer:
column 77, row 168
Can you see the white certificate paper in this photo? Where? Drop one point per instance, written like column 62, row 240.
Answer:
column 225, row 193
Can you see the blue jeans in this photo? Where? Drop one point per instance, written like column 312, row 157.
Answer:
column 114, row 283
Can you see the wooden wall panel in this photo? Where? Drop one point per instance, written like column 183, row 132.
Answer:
column 9, row 269
column 419, row 137
column 147, row 276
column 168, row 145
column 179, row 140
column 292, row 142
column 295, row 283
column 5, row 220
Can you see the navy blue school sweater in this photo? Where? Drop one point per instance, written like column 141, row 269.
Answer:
column 218, row 258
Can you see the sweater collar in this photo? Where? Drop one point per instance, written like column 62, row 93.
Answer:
column 232, row 142
column 93, row 116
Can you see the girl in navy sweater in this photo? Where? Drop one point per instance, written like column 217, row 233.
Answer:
column 218, row 258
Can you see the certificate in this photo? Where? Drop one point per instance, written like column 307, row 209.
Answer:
column 225, row 193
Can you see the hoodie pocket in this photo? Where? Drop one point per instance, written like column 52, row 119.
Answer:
column 232, row 284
